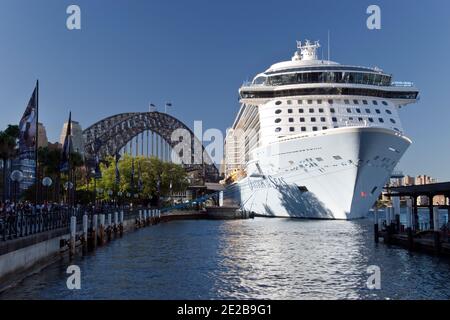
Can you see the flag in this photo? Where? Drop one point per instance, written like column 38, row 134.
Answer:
column 140, row 184
column 28, row 125
column 117, row 169
column 132, row 174
column 67, row 147
column 152, row 107
column 168, row 104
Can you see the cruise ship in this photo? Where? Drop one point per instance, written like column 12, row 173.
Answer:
column 314, row 138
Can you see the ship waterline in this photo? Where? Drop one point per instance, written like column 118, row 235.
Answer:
column 337, row 174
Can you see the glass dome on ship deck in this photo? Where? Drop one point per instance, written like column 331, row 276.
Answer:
column 332, row 75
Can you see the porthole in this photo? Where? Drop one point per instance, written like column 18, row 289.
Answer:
column 358, row 110
column 300, row 101
column 370, row 119
column 349, row 110
column 320, row 110
column 278, row 129
column 364, row 101
column 334, row 119
column 314, row 128
column 381, row 120
column 332, row 110
column 303, row 129
column 291, row 119
column 278, row 103
column 368, row 111
column 355, row 101
column 278, row 111
column 322, row 119
column 277, row 120
column 289, row 110
column 388, row 111
column 324, row 128
column 393, row 121
column 313, row 119
column 375, row 103
column 300, row 110
column 289, row 102
column 302, row 119
column 385, row 103
column 311, row 110
column 291, row 129
column 330, row 101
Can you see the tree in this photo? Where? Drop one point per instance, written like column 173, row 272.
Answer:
column 8, row 150
column 152, row 171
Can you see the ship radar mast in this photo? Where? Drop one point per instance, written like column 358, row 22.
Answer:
column 307, row 51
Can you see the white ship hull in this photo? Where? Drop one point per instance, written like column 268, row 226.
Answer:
column 330, row 174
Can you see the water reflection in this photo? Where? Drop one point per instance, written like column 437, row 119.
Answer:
column 242, row 259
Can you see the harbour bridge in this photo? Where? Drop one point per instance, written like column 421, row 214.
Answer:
column 146, row 134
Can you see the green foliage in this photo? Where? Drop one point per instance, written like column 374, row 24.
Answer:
column 8, row 142
column 152, row 170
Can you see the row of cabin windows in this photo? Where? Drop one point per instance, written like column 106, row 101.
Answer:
column 303, row 129
column 333, row 110
column 334, row 119
column 331, row 101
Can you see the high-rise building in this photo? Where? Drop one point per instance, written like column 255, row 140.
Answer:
column 77, row 136
column 42, row 136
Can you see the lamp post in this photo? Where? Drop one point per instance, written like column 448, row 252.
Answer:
column 119, row 194
column 47, row 183
column 16, row 177
column 68, row 187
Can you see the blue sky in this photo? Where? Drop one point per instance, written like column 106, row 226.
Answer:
column 196, row 54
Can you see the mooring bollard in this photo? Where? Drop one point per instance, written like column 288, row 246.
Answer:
column 437, row 230
column 73, row 231
column 375, row 224
column 101, row 233
column 409, row 223
column 94, row 230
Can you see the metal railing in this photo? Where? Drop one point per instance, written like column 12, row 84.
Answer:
column 26, row 222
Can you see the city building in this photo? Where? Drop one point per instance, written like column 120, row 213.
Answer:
column 42, row 136
column 77, row 136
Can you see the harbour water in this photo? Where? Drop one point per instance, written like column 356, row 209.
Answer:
column 245, row 259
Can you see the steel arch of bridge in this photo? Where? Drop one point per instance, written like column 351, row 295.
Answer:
column 108, row 136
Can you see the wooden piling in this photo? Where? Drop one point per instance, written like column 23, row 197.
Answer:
column 84, row 239
column 94, row 230
column 109, row 227
column 121, row 223
column 375, row 225
column 101, row 232
column 437, row 231
column 409, row 223
column 73, row 231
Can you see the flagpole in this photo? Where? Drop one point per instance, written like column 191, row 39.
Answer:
column 36, row 173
